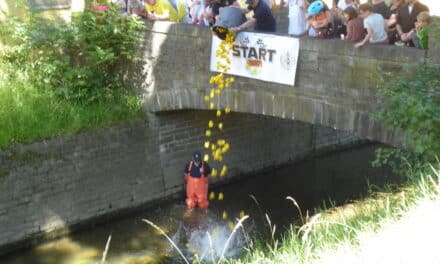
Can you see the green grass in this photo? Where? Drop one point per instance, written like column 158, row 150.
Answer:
column 28, row 114
column 328, row 230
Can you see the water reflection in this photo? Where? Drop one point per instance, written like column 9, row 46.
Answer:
column 339, row 177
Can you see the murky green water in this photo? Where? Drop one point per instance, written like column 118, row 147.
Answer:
column 339, row 176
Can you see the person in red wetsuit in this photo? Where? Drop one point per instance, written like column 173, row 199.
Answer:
column 197, row 175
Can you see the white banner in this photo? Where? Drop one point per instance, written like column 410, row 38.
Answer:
column 261, row 56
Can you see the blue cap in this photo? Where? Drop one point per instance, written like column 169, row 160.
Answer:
column 197, row 156
column 315, row 7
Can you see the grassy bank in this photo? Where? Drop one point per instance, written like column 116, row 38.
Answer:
column 59, row 77
column 355, row 233
column 27, row 114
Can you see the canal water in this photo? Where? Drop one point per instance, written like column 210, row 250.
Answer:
column 337, row 177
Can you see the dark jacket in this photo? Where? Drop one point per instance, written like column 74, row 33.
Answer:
column 382, row 9
column 407, row 20
column 265, row 20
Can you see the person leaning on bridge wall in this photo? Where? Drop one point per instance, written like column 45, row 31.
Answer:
column 420, row 33
column 375, row 26
column 355, row 25
column 406, row 19
column 391, row 22
column 215, row 7
column 339, row 24
column 262, row 20
column 319, row 20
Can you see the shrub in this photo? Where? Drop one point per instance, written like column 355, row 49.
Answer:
column 78, row 60
column 58, row 77
column 411, row 104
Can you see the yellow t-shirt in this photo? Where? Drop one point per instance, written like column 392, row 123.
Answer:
column 163, row 7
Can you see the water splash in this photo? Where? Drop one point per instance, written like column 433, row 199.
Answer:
column 203, row 236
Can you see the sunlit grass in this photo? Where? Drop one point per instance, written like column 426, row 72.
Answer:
column 28, row 114
column 341, row 234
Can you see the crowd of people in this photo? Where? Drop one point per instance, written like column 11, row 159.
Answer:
column 402, row 22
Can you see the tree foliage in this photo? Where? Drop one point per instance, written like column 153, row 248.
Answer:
column 411, row 104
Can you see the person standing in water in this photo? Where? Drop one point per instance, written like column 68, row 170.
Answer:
column 197, row 175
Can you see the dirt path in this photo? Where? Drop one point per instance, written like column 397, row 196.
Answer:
column 414, row 239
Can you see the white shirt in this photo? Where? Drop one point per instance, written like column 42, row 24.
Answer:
column 376, row 23
column 410, row 8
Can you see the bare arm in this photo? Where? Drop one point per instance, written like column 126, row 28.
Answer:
column 163, row 17
column 249, row 23
column 366, row 39
column 399, row 29
column 349, row 32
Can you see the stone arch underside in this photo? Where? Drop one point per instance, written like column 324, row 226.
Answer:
column 299, row 108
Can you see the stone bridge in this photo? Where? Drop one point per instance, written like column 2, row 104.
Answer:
column 335, row 83
column 57, row 185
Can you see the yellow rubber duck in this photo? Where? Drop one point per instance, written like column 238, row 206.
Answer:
column 223, row 171
column 225, row 215
column 242, row 214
